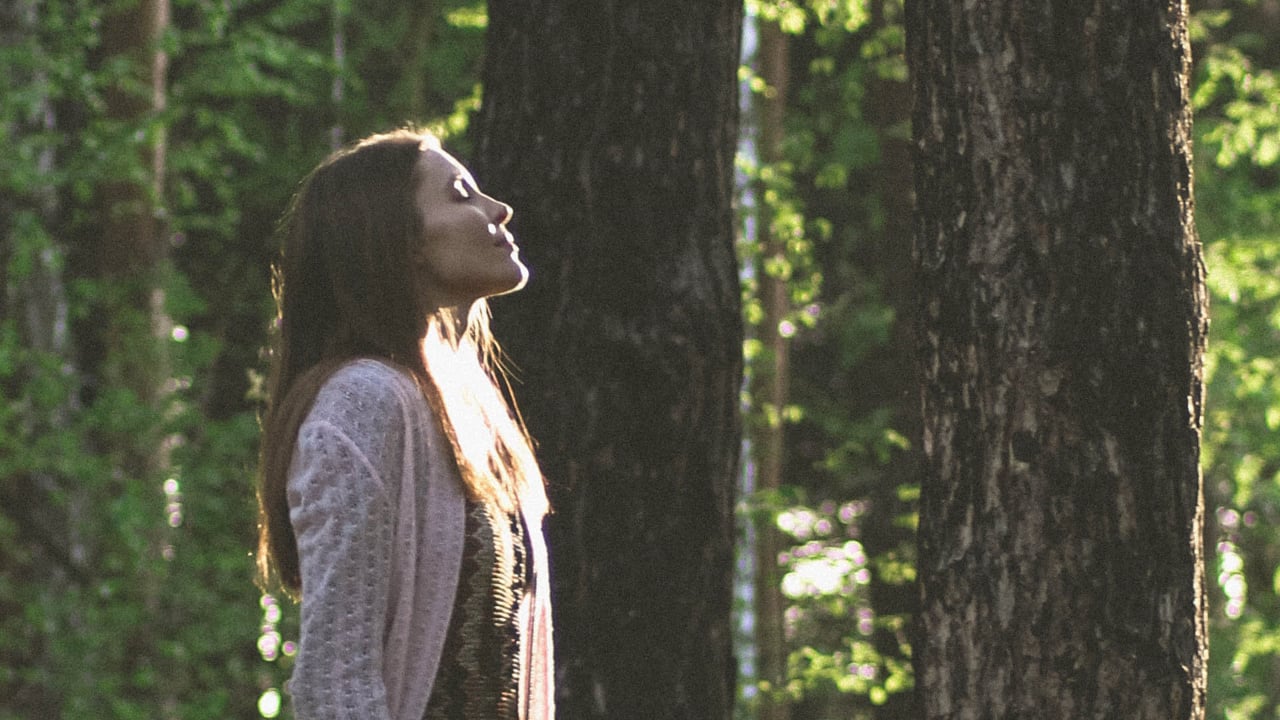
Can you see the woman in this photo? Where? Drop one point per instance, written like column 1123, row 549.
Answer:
column 399, row 497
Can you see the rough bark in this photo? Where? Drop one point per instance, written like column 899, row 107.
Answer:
column 611, row 128
column 1062, row 333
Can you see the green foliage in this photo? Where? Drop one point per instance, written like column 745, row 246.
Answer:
column 827, row 579
column 830, row 17
column 794, row 234
column 850, row 451
column 1238, row 214
column 126, row 505
column 852, row 558
column 1238, row 102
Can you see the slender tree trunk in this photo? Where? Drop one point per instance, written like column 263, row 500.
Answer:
column 48, row 558
column 419, row 42
column 132, row 261
column 1063, row 326
column 133, row 250
column 611, row 128
column 770, row 389
column 338, row 87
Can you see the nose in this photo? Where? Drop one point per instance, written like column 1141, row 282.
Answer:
column 501, row 213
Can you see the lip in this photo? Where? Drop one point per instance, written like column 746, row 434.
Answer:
column 504, row 237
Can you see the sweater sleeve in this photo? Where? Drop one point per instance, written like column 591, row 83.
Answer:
column 343, row 519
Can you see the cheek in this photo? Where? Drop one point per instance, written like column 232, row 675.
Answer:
column 439, row 263
column 461, row 261
column 439, row 245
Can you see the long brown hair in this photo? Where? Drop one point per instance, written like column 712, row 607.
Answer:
column 344, row 289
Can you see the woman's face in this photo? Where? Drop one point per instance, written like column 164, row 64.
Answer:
column 466, row 252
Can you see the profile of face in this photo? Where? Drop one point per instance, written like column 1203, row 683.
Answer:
column 465, row 252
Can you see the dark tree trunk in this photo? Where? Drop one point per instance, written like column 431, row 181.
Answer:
column 611, row 129
column 1062, row 331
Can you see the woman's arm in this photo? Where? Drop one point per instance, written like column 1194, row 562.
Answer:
column 342, row 517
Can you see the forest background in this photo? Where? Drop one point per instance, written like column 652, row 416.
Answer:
column 131, row 373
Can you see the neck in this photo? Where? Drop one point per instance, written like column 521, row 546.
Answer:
column 449, row 324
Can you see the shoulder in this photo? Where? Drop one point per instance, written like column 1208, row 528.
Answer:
column 372, row 373
column 369, row 401
column 364, row 386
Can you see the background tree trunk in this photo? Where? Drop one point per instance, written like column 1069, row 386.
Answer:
column 611, row 128
column 134, row 331
column 133, row 247
column 1063, row 326
column 41, row 553
column 338, row 90
column 770, row 382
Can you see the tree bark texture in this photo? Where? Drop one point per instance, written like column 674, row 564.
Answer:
column 1063, row 324
column 611, row 128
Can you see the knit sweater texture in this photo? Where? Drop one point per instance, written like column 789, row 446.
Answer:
column 378, row 510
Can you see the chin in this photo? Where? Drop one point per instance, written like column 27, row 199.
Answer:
column 518, row 285
column 514, row 283
column 522, row 280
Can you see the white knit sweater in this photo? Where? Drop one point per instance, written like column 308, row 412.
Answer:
column 378, row 509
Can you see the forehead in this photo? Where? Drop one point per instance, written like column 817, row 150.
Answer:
column 436, row 164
